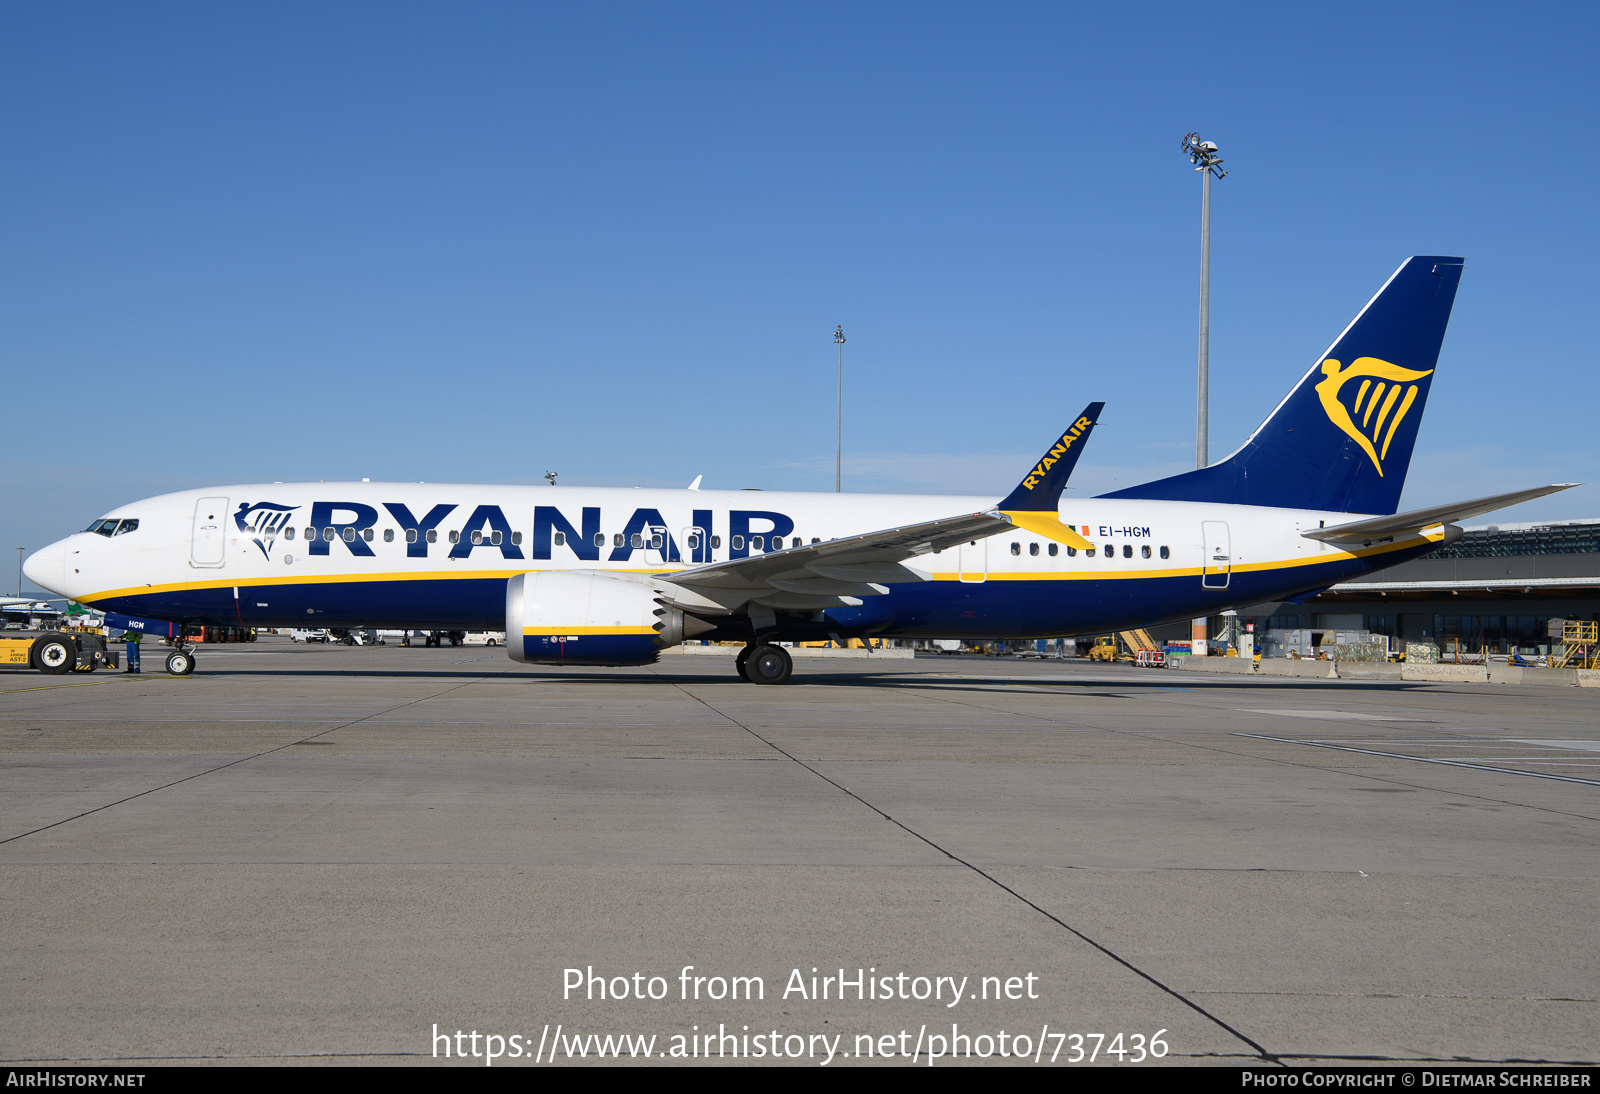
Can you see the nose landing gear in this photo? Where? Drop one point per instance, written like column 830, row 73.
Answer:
column 180, row 662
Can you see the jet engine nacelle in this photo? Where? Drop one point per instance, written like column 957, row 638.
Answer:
column 583, row 617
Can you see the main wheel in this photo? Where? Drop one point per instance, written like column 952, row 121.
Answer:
column 180, row 662
column 742, row 663
column 55, row 654
column 768, row 665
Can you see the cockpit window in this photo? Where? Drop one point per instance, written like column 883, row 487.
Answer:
column 127, row 526
column 103, row 528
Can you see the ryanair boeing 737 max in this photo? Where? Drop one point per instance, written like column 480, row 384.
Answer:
column 584, row 576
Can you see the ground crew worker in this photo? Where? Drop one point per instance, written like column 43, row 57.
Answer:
column 132, row 640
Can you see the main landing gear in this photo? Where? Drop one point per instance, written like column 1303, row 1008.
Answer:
column 764, row 664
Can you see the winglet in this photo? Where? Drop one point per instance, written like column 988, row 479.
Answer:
column 1035, row 503
column 1040, row 489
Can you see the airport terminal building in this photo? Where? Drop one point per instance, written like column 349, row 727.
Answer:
column 1495, row 589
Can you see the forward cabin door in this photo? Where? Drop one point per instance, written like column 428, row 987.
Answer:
column 210, row 535
column 1218, row 557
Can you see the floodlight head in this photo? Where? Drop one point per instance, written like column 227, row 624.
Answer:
column 1208, row 146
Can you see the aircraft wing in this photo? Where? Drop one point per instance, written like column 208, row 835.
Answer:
column 821, row 575
column 854, row 566
column 1379, row 528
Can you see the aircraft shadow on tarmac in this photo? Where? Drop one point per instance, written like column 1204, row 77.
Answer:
column 904, row 680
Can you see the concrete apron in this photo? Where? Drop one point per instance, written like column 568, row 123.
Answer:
column 1366, row 670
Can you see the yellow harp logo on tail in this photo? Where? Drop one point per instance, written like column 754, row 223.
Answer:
column 1374, row 406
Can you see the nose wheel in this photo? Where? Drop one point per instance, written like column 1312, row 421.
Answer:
column 180, row 662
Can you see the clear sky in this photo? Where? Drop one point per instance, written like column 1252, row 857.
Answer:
column 244, row 243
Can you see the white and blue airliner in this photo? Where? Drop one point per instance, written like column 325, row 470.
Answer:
column 581, row 576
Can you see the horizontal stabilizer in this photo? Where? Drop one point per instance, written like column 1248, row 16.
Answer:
column 1363, row 531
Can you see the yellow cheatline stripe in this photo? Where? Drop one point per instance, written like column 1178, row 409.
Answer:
column 343, row 579
column 1048, row 525
column 1190, row 571
column 318, row 579
column 553, row 632
column 1030, row 523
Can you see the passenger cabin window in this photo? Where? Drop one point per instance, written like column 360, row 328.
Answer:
column 411, row 535
column 1089, row 553
column 1144, row 552
column 349, row 535
column 599, row 539
column 433, row 535
column 814, row 539
column 516, row 538
column 1127, row 550
column 366, row 534
column 617, row 540
column 1111, row 550
column 758, row 543
column 716, row 541
column 560, row 539
column 288, row 533
column 328, row 534
column 388, row 535
column 1033, row 548
column 477, row 538
column 636, row 541
column 1072, row 552
column 693, row 543
column 738, row 543
column 1165, row 553
column 1055, row 549
column 655, row 542
column 797, row 542
column 311, row 533
column 455, row 537
column 1016, row 548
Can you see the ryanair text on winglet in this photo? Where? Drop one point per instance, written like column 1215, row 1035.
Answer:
column 1057, row 450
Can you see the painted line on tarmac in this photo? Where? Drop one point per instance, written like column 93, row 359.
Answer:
column 1057, row 920
column 1423, row 759
column 53, row 687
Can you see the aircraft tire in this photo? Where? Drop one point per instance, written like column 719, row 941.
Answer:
column 769, row 665
column 54, row 654
column 740, row 663
column 180, row 662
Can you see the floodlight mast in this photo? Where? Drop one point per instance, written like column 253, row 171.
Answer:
column 1203, row 154
column 838, row 435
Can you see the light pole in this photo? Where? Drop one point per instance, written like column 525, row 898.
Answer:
column 838, row 425
column 1203, row 154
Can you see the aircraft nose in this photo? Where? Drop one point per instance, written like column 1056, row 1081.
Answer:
column 46, row 567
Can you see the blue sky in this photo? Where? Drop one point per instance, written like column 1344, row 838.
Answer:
column 479, row 242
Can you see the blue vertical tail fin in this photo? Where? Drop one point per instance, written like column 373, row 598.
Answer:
column 1342, row 439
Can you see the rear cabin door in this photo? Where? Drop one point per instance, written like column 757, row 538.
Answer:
column 972, row 561
column 210, row 535
column 1219, row 556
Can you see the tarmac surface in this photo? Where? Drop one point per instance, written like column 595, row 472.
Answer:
column 330, row 855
